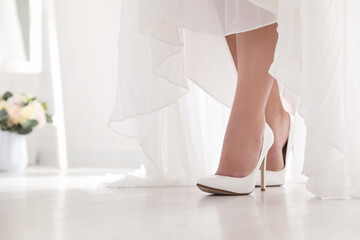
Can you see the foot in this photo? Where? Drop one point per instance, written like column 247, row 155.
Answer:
column 241, row 147
column 280, row 125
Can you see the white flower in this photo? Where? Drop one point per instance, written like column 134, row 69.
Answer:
column 40, row 114
column 24, row 98
column 33, row 111
column 14, row 107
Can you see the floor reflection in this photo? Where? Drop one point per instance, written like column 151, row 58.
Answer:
column 252, row 216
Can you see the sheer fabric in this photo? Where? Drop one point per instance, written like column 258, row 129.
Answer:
column 177, row 81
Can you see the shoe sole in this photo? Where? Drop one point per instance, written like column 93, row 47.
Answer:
column 270, row 185
column 218, row 191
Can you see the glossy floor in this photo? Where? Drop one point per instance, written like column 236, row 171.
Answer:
column 45, row 204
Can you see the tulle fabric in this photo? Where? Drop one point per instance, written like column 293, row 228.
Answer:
column 177, row 82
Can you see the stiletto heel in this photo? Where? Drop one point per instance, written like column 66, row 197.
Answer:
column 277, row 178
column 226, row 185
column 263, row 168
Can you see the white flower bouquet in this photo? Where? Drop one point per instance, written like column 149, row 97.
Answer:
column 22, row 113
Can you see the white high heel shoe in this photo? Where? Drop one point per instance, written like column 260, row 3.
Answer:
column 239, row 186
column 277, row 178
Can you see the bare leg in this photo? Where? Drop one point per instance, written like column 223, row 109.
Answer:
column 278, row 120
column 275, row 115
column 244, row 133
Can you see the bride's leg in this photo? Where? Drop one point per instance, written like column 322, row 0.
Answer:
column 275, row 115
column 244, row 133
column 278, row 120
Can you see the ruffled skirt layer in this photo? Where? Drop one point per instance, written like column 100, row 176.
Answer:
column 177, row 82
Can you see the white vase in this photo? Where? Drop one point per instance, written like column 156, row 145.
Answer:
column 13, row 152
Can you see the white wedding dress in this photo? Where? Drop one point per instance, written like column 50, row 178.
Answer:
column 177, row 82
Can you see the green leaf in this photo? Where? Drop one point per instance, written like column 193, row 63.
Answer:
column 3, row 115
column 49, row 118
column 15, row 128
column 24, row 131
column 7, row 95
column 30, row 123
column 27, row 127
column 44, row 105
column 4, row 126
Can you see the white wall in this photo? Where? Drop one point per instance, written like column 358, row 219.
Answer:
column 87, row 31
